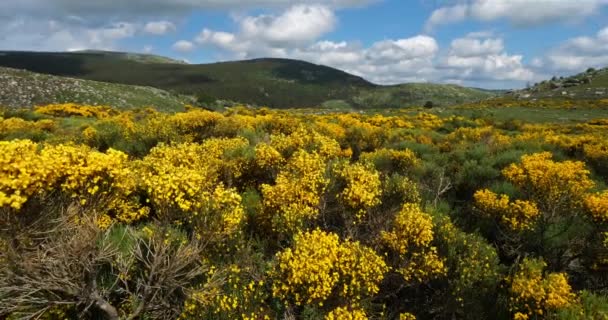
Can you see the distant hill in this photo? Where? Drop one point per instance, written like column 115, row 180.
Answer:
column 591, row 84
column 24, row 89
column 139, row 57
column 279, row 83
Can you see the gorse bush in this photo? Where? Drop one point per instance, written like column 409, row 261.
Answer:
column 263, row 214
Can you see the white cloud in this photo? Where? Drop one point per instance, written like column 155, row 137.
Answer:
column 447, row 15
column 295, row 33
column 478, row 59
column 391, row 51
column 154, row 7
column 517, row 12
column 297, row 26
column 183, row 46
column 159, row 27
column 471, row 47
column 115, row 31
column 52, row 35
column 579, row 53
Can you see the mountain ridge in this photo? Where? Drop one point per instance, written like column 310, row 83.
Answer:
column 272, row 82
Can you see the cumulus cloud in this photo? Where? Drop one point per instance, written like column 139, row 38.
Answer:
column 517, row 12
column 475, row 59
column 183, row 46
column 297, row 26
column 159, row 27
column 154, row 7
column 296, row 32
column 579, row 53
column 472, row 47
column 60, row 36
column 155, row 17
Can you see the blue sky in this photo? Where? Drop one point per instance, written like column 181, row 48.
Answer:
column 482, row 43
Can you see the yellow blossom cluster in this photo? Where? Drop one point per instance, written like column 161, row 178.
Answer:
column 196, row 121
column 239, row 297
column 267, row 157
column 407, row 316
column 363, row 187
column 553, row 185
column 72, row 109
column 396, row 160
column 319, row 265
column 518, row 215
column 305, row 139
column 597, row 206
column 346, row 313
column 535, row 293
column 412, row 228
column 30, row 169
column 11, row 125
column 296, row 196
column 186, row 178
column 411, row 238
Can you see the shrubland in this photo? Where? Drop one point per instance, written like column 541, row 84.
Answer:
column 267, row 214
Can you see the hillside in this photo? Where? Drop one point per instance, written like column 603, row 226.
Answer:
column 279, row 83
column 418, row 94
column 591, row 84
column 19, row 88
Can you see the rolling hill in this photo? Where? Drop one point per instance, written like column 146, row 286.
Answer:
column 279, row 83
column 23, row 89
column 591, row 84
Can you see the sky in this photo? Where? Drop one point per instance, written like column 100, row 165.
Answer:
column 493, row 44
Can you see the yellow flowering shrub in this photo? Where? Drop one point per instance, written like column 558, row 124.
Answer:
column 412, row 228
column 319, row 265
column 83, row 174
column 267, row 157
column 553, row 185
column 596, row 151
column 362, row 188
column 410, row 239
column 391, row 160
column 597, row 206
column 295, row 197
column 407, row 316
column 518, row 215
column 196, row 121
column 239, row 297
column 72, row 109
column 534, row 293
column 400, row 189
column 24, row 172
column 11, row 125
column 304, row 139
column 308, row 272
column 346, row 313
column 185, row 179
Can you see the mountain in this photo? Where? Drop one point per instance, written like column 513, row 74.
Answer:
column 280, row 83
column 22, row 89
column 591, row 84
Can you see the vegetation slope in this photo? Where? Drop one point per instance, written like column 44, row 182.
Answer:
column 277, row 83
column 591, row 84
column 24, row 89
